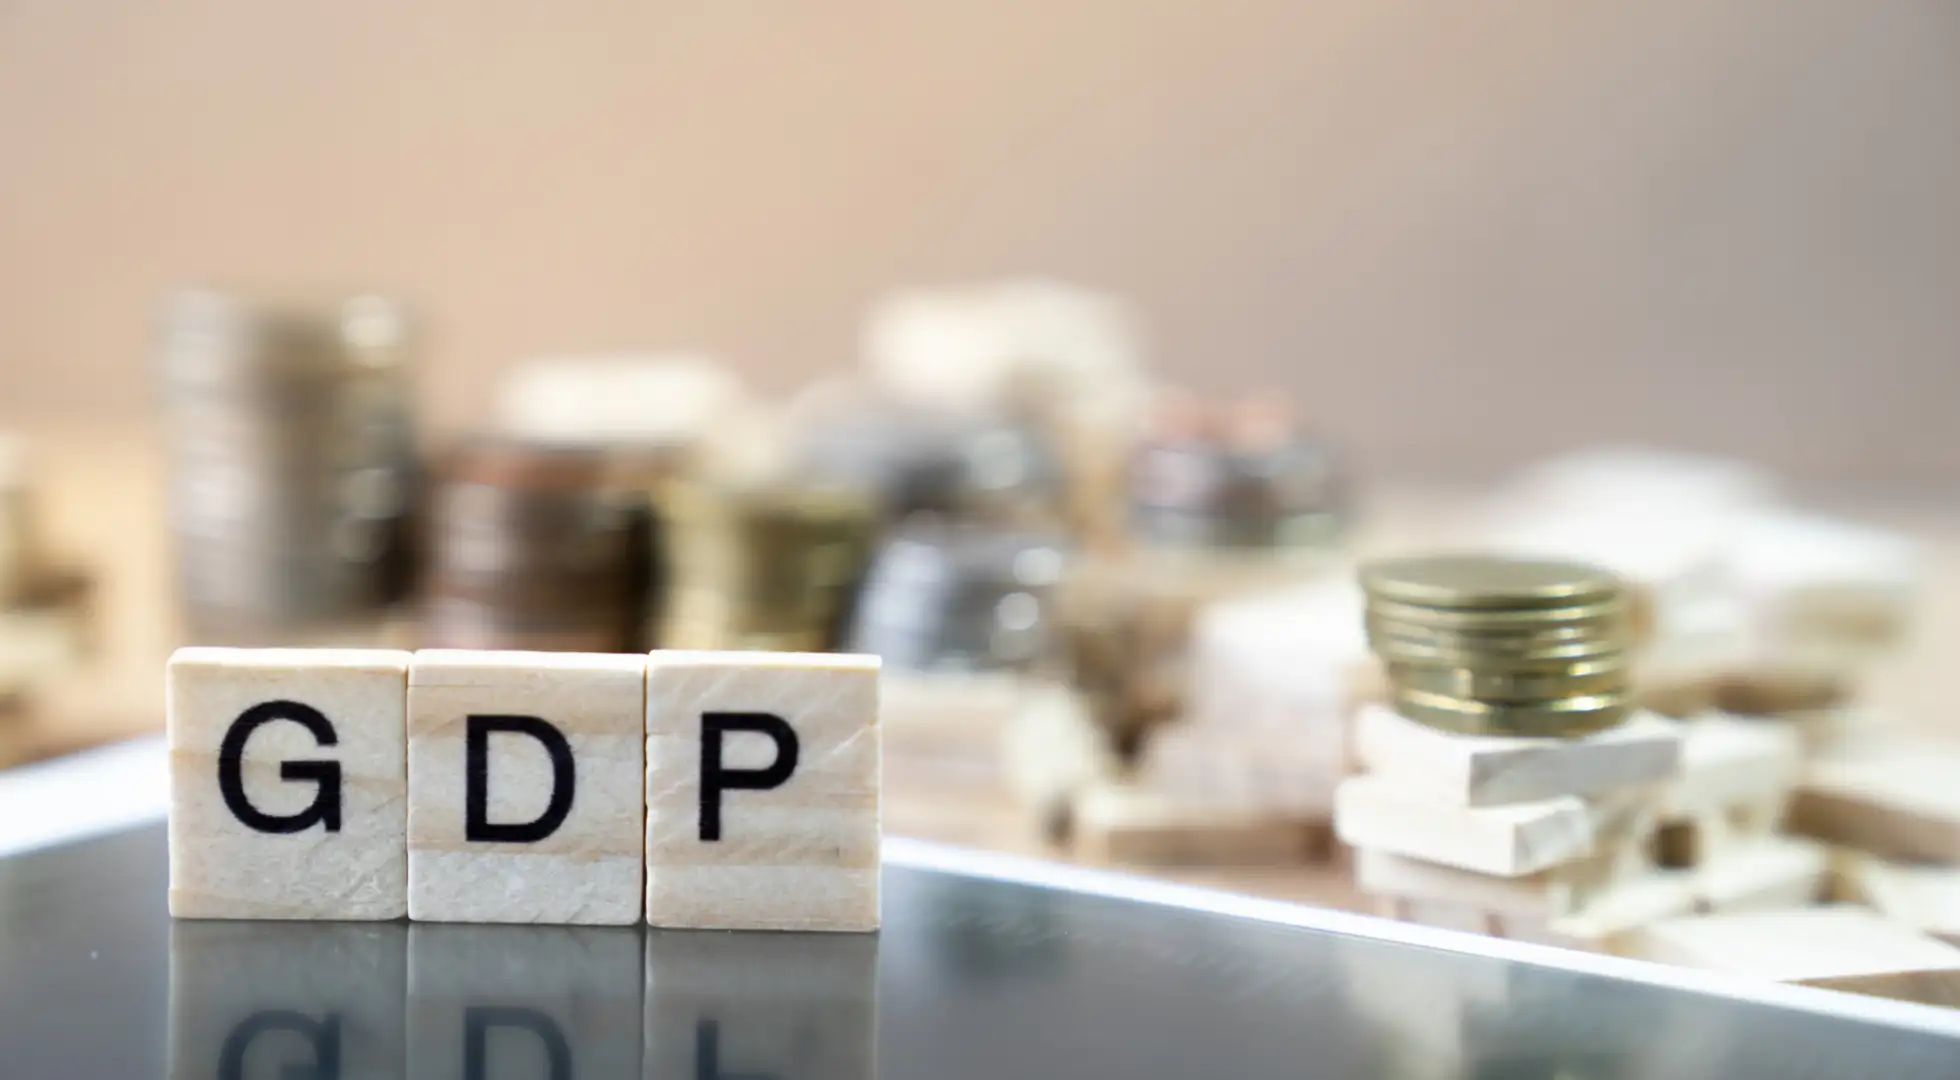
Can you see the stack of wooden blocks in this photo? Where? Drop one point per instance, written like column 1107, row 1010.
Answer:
column 686, row 789
column 1520, row 837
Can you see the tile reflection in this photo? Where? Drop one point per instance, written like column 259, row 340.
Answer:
column 287, row 1001
column 517, row 1002
column 354, row 1001
column 761, row 1006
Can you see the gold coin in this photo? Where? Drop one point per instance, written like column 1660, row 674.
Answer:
column 1610, row 610
column 1492, row 641
column 1583, row 679
column 1536, row 657
column 1564, row 718
column 1487, row 581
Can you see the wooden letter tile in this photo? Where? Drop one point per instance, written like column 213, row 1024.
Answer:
column 287, row 792
column 524, row 777
column 762, row 791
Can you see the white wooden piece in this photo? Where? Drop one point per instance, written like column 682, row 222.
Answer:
column 1472, row 770
column 1508, row 841
column 1121, row 824
column 1251, row 771
column 1764, row 873
column 524, row 787
column 1549, row 894
column 1843, row 948
column 546, row 1001
column 1729, row 763
column 321, row 999
column 1896, row 799
column 287, row 787
column 1926, row 898
column 762, row 791
column 1293, row 663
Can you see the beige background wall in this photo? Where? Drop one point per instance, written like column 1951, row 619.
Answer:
column 1460, row 233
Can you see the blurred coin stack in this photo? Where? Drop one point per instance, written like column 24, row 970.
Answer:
column 536, row 546
column 291, row 437
column 1242, row 479
column 773, row 566
column 1488, row 645
column 957, row 597
column 1508, row 788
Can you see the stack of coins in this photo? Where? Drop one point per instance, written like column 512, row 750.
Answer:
column 1246, row 477
column 921, row 460
column 945, row 597
column 535, row 546
column 1489, row 645
column 292, row 446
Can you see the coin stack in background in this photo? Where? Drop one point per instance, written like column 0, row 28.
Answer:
column 957, row 597
column 1489, row 645
column 291, row 438
column 1243, row 478
column 537, row 546
column 920, row 459
column 773, row 566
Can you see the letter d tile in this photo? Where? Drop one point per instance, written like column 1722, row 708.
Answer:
column 762, row 791
column 288, row 796
column 524, row 776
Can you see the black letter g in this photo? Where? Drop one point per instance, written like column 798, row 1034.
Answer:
column 231, row 775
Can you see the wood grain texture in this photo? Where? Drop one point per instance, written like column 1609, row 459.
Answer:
column 797, row 854
column 588, row 869
column 350, row 864
column 1473, row 770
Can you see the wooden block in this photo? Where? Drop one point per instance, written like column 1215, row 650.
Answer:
column 1053, row 749
column 1294, row 663
column 762, row 791
column 1249, row 771
column 755, row 1005
column 1899, row 800
column 1729, row 763
column 287, row 787
column 1839, row 948
column 1117, row 824
column 564, row 997
column 1549, row 894
column 1609, row 922
column 1470, row 770
column 1926, row 898
column 1508, row 841
column 524, row 775
column 1763, row 874
column 323, row 999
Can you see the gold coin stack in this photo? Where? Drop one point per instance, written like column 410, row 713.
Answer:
column 1489, row 645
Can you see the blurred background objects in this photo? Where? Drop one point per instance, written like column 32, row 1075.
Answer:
column 1071, row 359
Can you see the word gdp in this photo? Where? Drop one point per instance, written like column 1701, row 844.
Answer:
column 728, row 790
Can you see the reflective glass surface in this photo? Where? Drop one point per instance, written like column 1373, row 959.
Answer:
column 971, row 978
